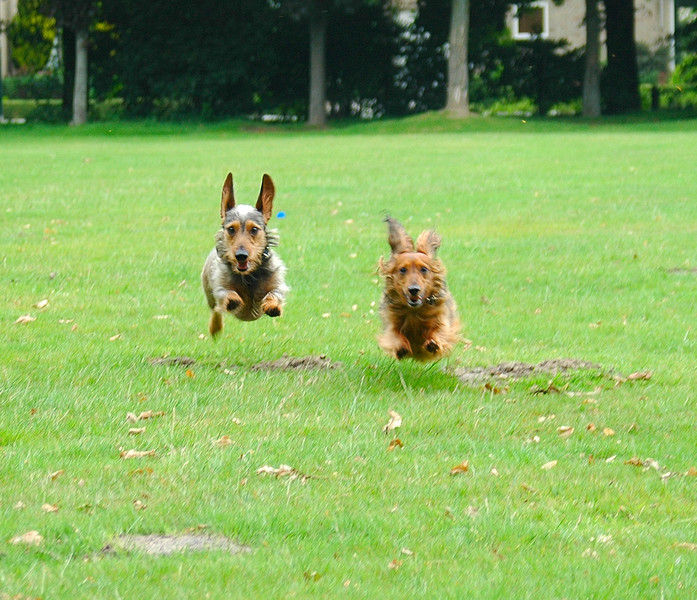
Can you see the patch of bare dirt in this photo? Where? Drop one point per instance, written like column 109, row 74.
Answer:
column 159, row 545
column 184, row 361
column 521, row 370
column 297, row 363
column 683, row 271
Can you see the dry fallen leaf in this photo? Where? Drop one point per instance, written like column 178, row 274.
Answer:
column 549, row 465
column 394, row 564
column 30, row 538
column 148, row 414
column 20, row 505
column 635, row 460
column 25, row 319
column 137, row 453
column 686, row 545
column 136, row 430
column 608, row 432
column 283, row 471
column 223, row 441
column 41, row 304
column 691, row 472
column 407, row 552
column 394, row 422
column 565, row 431
column 395, row 443
column 190, row 373
column 639, row 375
column 49, row 508
column 138, row 505
column 460, row 469
column 56, row 474
column 114, row 337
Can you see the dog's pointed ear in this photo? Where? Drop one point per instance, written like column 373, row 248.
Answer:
column 397, row 237
column 266, row 194
column 428, row 243
column 228, row 199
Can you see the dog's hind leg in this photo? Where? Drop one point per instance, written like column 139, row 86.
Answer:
column 216, row 323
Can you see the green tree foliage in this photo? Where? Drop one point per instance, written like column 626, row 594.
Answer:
column 200, row 57
column 215, row 59
column 500, row 68
column 361, row 73
column 31, row 36
column 620, row 82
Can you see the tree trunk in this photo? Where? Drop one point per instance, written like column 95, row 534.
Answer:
column 621, row 94
column 318, row 88
column 591, row 76
column 458, row 81
column 68, row 70
column 80, row 93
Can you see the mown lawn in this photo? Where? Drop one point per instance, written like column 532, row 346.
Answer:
column 562, row 240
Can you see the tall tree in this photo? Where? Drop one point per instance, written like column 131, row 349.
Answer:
column 75, row 15
column 591, row 75
column 318, row 18
column 316, row 14
column 621, row 89
column 458, row 78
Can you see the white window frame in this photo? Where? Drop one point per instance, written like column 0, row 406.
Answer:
column 518, row 35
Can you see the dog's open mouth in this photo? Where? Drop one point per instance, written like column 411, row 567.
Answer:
column 414, row 301
column 242, row 265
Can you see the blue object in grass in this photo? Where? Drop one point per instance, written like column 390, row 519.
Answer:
column 281, row 215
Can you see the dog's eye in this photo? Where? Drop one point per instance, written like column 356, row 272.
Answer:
column 424, row 270
column 254, row 230
column 403, row 270
column 231, row 230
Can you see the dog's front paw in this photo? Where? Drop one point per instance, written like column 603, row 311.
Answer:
column 432, row 346
column 232, row 301
column 271, row 306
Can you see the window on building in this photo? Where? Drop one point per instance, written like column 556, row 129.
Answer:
column 531, row 21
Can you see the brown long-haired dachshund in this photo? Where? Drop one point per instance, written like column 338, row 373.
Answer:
column 418, row 312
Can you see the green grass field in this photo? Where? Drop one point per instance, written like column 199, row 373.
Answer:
column 562, row 240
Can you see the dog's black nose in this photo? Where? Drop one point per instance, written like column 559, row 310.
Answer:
column 414, row 290
column 241, row 255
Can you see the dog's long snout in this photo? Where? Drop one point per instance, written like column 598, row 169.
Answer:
column 241, row 255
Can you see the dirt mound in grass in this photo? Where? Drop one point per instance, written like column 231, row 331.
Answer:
column 297, row 363
column 285, row 363
column 184, row 361
column 521, row 370
column 157, row 544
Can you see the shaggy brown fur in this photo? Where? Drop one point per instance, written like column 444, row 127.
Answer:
column 242, row 274
column 418, row 312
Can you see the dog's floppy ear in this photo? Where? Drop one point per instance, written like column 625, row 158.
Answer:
column 265, row 201
column 397, row 237
column 228, row 200
column 428, row 243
